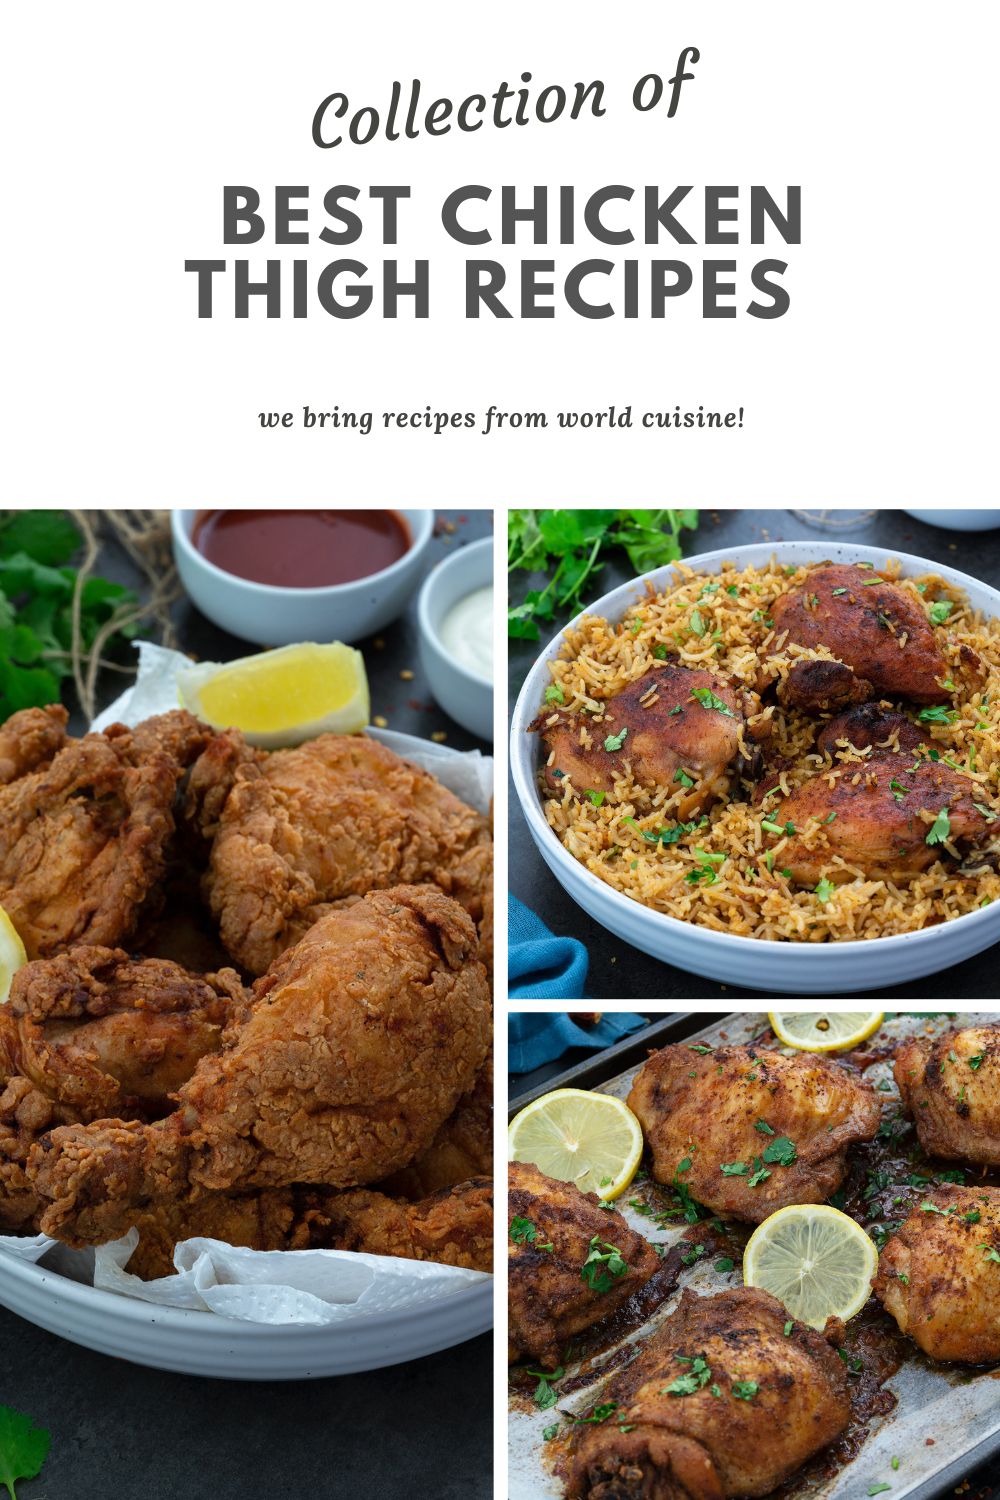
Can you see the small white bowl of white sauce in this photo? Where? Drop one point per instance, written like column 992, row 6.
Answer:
column 455, row 615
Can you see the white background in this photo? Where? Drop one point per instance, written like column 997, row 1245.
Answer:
column 122, row 123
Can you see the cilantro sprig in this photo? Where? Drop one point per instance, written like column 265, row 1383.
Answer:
column 567, row 544
column 37, row 594
column 23, row 1448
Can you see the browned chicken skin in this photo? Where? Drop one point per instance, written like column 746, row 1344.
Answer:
column 667, row 732
column 83, row 843
column 870, row 816
column 552, row 1229
column 300, row 829
column 710, row 1443
column 30, row 739
column 354, row 1050
column 818, row 686
column 462, row 1148
column 718, row 1116
column 877, row 628
column 453, row 1227
column 93, row 1033
column 939, row 1274
column 951, row 1087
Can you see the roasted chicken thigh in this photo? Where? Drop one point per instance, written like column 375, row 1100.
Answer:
column 951, row 1087
column 728, row 1397
column 939, row 1274
column 747, row 1130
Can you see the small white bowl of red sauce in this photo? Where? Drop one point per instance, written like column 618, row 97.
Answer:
column 275, row 577
column 455, row 616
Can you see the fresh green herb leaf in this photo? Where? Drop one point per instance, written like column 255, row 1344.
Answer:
column 976, row 1062
column 990, row 1253
column 898, row 790
column 698, row 1047
column 23, row 1448
column 940, row 829
column 692, row 1255
column 939, row 611
column 595, row 798
column 744, row 1390
column 603, row 1267
column 523, row 1231
column 937, row 715
column 878, row 1487
column 788, row 1328
column 780, row 1150
column 760, row 1174
column 660, row 653
column 824, row 890
column 724, row 1265
column 838, row 591
column 734, row 1169
column 555, row 694
column 616, row 741
column 548, row 1433
column 683, row 778
column 696, row 623
column 708, row 699
column 763, row 1127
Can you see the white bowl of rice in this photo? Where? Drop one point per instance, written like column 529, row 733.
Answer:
column 749, row 929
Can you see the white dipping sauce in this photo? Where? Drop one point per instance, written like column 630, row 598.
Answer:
column 467, row 632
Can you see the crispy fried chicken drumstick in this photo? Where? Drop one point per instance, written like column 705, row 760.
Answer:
column 939, row 1275
column 94, row 1033
column 355, row 1048
column 30, row 739
column 453, row 1227
column 951, row 1087
column 462, row 1148
column 719, row 1112
column 553, row 1230
column 340, row 816
column 689, row 1433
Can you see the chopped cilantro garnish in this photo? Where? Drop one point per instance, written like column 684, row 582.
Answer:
column 683, row 778
column 616, row 741
column 555, row 694
column 696, row 623
column 744, row 1390
column 937, row 715
column 763, row 1127
column 596, row 798
column 708, row 699
column 603, row 1266
column 824, row 891
column 940, row 829
column 939, row 611
column 781, row 1150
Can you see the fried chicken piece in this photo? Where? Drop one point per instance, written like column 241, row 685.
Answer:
column 939, row 1275
column 94, row 1033
column 664, row 731
column 83, row 843
column 177, row 734
column 553, row 1229
column 877, row 628
column 817, row 686
column 710, row 1109
column 30, row 740
column 870, row 816
column 713, row 1442
column 354, row 1050
column 462, row 1148
column 339, row 816
column 453, row 1227
column 266, row 1220
column 951, row 1088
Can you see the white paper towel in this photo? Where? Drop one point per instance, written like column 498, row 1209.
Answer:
column 279, row 1286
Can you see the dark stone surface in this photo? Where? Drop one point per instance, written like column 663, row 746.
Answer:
column 618, row 971
column 122, row 1432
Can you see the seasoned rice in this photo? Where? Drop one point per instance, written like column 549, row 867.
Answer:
column 598, row 658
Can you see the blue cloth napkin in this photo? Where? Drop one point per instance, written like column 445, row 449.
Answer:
column 539, row 965
column 534, row 1038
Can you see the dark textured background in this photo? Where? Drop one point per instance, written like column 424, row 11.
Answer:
column 122, row 1432
column 618, row 971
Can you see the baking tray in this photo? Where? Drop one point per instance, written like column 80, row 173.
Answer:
column 958, row 1410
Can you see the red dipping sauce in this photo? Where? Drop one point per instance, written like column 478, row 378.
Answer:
column 301, row 549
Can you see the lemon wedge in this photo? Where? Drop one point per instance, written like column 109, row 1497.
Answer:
column 281, row 697
column 825, row 1032
column 814, row 1259
column 592, row 1140
column 12, row 954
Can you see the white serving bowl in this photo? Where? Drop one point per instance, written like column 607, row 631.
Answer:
column 952, row 519
column 202, row 1343
column 271, row 616
column 465, row 695
column 827, row 969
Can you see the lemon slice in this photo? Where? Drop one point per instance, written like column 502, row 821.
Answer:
column 814, row 1259
column 824, row 1032
column 12, row 954
column 281, row 697
column 592, row 1140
